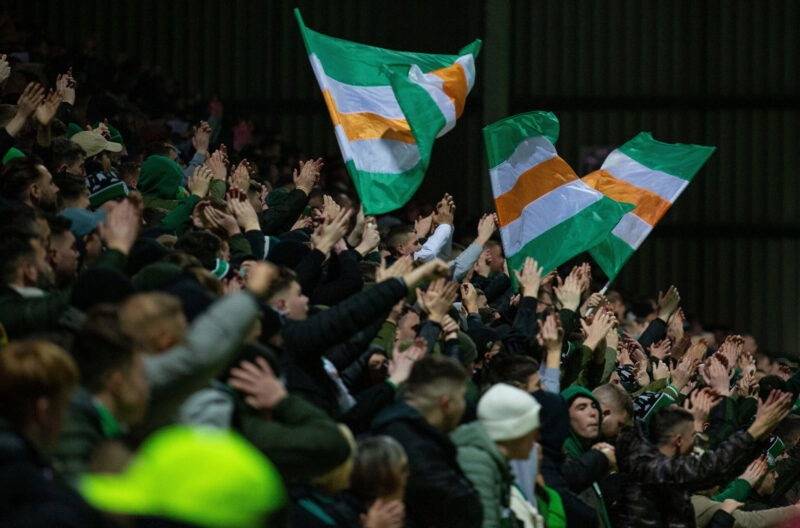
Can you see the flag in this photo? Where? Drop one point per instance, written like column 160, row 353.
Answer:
column 649, row 174
column 545, row 210
column 386, row 156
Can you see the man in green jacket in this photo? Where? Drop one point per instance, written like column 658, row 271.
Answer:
column 507, row 428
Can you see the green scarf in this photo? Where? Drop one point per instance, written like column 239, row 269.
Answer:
column 552, row 509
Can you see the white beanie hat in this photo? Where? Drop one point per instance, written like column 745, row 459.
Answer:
column 507, row 412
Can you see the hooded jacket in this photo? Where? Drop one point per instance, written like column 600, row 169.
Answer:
column 658, row 487
column 584, row 467
column 554, row 418
column 488, row 470
column 438, row 495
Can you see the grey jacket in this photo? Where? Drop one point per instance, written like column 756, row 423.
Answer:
column 211, row 343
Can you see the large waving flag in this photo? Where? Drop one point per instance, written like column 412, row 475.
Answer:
column 386, row 155
column 649, row 174
column 545, row 210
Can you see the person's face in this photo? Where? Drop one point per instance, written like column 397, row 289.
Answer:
column 534, row 383
column 64, row 255
column 410, row 246
column 584, row 418
column 495, row 259
column 38, row 271
column 613, row 420
column 452, row 407
column 93, row 246
column 131, row 392
column 407, row 326
column 293, row 303
column 520, row 448
column 44, row 192
column 76, row 167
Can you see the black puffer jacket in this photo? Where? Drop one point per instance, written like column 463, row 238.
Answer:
column 657, row 488
column 439, row 495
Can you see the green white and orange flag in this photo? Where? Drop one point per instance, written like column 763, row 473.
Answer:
column 649, row 174
column 545, row 210
column 387, row 152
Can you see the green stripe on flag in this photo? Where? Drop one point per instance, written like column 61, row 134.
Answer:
column 678, row 159
column 381, row 192
column 360, row 64
column 572, row 236
column 502, row 137
column 611, row 254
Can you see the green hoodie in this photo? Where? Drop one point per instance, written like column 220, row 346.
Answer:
column 574, row 447
column 488, row 470
column 160, row 179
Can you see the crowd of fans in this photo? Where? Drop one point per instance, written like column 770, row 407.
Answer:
column 218, row 337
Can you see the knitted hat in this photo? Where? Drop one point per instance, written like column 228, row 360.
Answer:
column 160, row 177
column 507, row 412
column 574, row 391
column 11, row 154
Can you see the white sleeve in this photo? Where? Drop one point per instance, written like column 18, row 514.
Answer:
column 437, row 245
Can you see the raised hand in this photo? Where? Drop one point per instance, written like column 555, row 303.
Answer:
column 308, row 175
column 245, row 215
column 434, row 268
column 438, row 299
column 661, row 349
column 755, row 471
column 423, row 226
column 445, row 211
column 330, row 209
column 568, row 293
column 551, row 335
column 668, row 303
column 482, row 266
column 530, row 277
column 684, row 371
column 732, row 348
column 770, row 413
column 200, row 180
column 384, row 514
column 660, row 371
column 48, row 108
column 640, row 373
column 399, row 268
column 302, row 223
column 700, row 403
column 260, row 277
column 675, row 326
column 240, row 179
column 354, row 238
column 596, row 330
column 449, row 328
column 217, row 163
column 221, row 221
column 369, row 239
column 402, row 361
column 469, row 297
column 5, row 68
column 201, row 138
column 716, row 377
column 591, row 303
column 486, row 228
column 65, row 86
column 263, row 391
column 121, row 227
column 328, row 234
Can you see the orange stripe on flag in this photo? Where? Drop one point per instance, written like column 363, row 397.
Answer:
column 454, row 85
column 650, row 207
column 532, row 184
column 366, row 125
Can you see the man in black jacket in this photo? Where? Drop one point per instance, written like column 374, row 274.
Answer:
column 438, row 494
column 661, row 472
column 36, row 379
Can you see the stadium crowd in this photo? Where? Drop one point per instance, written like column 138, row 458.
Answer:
column 203, row 329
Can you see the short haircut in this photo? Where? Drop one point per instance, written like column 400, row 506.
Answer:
column 70, row 186
column 433, row 376
column 767, row 384
column 616, row 396
column 281, row 283
column 19, row 217
column 397, row 237
column 15, row 245
column 141, row 312
column 666, row 421
column 378, row 469
column 202, row 244
column 58, row 225
column 17, row 177
column 65, row 152
column 101, row 346
column 30, row 370
column 513, row 369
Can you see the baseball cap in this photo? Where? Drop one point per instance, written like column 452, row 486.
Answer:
column 93, row 143
column 83, row 220
column 205, row 477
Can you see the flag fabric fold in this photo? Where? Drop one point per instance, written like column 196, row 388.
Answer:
column 545, row 210
column 385, row 151
column 649, row 174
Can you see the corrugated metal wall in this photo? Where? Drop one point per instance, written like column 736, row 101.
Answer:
column 720, row 72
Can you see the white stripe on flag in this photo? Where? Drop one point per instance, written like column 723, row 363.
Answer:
column 467, row 62
column 546, row 212
column 351, row 99
column 383, row 155
column 433, row 85
column 531, row 152
column 625, row 168
column 632, row 230
column 344, row 142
